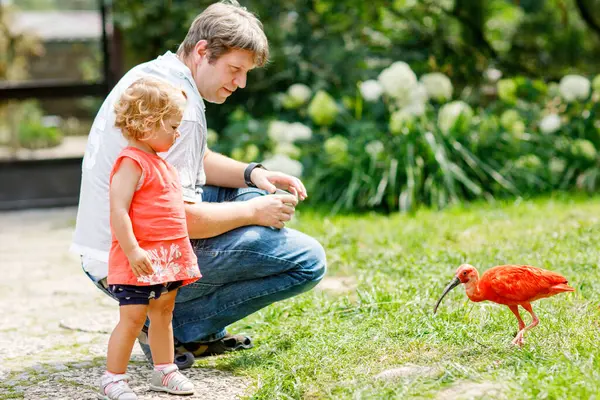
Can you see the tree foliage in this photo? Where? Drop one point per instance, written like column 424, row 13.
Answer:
column 333, row 44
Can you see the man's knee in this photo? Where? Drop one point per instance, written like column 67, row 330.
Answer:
column 314, row 263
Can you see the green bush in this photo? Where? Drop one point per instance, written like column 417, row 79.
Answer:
column 33, row 135
column 393, row 105
column 395, row 144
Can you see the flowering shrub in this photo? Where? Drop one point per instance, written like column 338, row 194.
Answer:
column 438, row 86
column 574, row 87
column 400, row 141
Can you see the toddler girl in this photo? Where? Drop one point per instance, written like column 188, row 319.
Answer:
column 151, row 255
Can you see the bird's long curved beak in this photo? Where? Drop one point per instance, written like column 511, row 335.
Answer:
column 455, row 282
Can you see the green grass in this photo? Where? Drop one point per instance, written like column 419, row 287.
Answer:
column 324, row 345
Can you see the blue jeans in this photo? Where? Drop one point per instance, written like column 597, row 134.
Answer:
column 243, row 270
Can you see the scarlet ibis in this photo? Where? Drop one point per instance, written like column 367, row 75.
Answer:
column 511, row 285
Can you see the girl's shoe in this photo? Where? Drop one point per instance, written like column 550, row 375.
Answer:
column 118, row 390
column 172, row 381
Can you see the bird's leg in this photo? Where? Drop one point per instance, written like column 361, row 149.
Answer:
column 519, row 339
column 515, row 310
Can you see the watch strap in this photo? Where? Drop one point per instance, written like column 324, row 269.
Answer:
column 248, row 173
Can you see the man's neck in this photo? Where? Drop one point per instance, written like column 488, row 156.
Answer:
column 184, row 60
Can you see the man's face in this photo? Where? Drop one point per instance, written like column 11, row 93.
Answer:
column 217, row 81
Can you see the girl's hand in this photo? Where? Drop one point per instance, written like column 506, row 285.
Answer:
column 140, row 262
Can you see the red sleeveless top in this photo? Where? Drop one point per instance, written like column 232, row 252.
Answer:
column 158, row 218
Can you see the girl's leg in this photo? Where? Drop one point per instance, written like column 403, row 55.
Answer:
column 160, row 333
column 166, row 376
column 131, row 320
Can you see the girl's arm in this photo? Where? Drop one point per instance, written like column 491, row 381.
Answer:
column 122, row 187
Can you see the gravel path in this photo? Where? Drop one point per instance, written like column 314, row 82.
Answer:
column 55, row 324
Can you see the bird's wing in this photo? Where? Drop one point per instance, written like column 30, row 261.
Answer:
column 520, row 282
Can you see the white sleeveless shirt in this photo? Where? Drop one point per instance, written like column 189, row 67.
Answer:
column 92, row 237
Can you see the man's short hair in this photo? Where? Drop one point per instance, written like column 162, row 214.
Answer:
column 227, row 26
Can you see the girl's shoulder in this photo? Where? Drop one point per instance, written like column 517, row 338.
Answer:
column 138, row 157
column 135, row 153
column 142, row 158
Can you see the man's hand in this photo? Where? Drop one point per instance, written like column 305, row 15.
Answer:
column 140, row 262
column 273, row 180
column 273, row 210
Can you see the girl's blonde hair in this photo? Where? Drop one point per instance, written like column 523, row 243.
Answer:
column 226, row 26
column 145, row 105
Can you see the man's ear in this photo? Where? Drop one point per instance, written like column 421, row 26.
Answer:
column 201, row 50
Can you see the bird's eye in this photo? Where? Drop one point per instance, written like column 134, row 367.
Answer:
column 465, row 273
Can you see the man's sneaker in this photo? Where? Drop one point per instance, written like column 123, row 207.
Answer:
column 224, row 345
column 116, row 388
column 183, row 358
column 170, row 380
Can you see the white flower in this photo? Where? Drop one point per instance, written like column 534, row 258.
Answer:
column 414, row 104
column 371, row 90
column 417, row 100
column 450, row 113
column 438, row 86
column 296, row 95
column 284, row 132
column 287, row 149
column 492, row 74
column 374, row 148
column 278, row 131
column 415, row 109
column 298, row 131
column 299, row 92
column 574, row 87
column 398, row 81
column 550, row 124
column 283, row 163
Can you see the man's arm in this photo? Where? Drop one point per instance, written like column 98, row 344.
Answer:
column 223, row 171
column 206, row 220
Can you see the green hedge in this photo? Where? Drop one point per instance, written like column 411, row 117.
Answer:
column 402, row 141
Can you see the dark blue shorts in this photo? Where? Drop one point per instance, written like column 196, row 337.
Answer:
column 131, row 294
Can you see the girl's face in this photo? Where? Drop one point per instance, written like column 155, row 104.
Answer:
column 163, row 138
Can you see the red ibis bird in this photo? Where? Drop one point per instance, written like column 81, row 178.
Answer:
column 511, row 285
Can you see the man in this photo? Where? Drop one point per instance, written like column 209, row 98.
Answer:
column 247, row 257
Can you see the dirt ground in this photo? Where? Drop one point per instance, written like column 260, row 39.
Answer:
column 55, row 324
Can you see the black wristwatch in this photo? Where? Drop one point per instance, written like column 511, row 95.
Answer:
column 248, row 172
